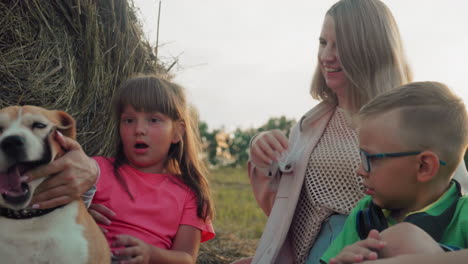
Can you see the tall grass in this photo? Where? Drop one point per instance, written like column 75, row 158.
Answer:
column 236, row 208
column 239, row 221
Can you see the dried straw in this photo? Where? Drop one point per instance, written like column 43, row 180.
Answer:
column 71, row 55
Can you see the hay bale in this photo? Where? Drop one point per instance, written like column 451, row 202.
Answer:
column 72, row 55
column 226, row 248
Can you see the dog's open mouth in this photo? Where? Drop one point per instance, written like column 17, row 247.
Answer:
column 11, row 188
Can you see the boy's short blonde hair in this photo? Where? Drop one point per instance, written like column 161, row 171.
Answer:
column 432, row 118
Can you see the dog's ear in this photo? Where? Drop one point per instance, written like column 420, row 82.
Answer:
column 67, row 125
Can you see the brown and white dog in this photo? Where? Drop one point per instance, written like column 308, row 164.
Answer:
column 67, row 234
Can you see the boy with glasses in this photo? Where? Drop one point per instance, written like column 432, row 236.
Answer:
column 411, row 140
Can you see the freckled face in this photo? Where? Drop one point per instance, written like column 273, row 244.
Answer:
column 146, row 139
column 328, row 58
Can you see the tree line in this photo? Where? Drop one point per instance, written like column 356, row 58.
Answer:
column 232, row 149
column 223, row 148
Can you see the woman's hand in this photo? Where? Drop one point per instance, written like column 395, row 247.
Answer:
column 101, row 214
column 267, row 146
column 70, row 176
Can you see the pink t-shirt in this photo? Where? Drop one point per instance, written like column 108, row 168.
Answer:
column 162, row 203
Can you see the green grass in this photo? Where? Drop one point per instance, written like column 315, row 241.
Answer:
column 236, row 208
column 239, row 221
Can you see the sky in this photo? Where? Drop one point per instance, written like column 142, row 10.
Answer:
column 245, row 61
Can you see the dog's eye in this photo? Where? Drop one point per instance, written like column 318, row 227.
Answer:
column 38, row 125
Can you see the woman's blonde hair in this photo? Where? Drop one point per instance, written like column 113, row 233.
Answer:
column 157, row 94
column 370, row 51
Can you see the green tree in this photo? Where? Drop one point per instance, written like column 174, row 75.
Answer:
column 209, row 142
column 239, row 145
column 282, row 123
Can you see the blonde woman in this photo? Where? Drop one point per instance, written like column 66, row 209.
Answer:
column 307, row 184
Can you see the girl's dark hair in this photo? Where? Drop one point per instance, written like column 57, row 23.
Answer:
column 156, row 94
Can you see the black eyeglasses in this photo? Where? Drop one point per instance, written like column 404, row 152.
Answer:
column 365, row 157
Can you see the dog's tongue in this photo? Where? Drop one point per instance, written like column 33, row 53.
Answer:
column 10, row 181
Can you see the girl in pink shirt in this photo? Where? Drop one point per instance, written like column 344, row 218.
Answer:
column 152, row 199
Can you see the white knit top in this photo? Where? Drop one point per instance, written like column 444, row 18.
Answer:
column 330, row 184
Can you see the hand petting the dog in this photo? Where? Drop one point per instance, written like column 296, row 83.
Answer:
column 72, row 175
column 361, row 251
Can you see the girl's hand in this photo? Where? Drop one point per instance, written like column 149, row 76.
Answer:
column 135, row 252
column 72, row 175
column 267, row 146
column 361, row 250
column 184, row 249
column 101, row 214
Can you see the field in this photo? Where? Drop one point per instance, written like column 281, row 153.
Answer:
column 239, row 221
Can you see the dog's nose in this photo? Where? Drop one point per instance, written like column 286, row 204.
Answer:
column 13, row 146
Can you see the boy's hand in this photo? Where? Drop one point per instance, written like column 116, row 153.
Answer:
column 360, row 251
column 135, row 251
column 381, row 261
column 267, row 146
column 393, row 260
column 101, row 214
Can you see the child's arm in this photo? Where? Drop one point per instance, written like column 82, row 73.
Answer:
column 184, row 249
column 361, row 250
column 455, row 257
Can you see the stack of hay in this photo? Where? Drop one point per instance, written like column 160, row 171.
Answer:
column 71, row 55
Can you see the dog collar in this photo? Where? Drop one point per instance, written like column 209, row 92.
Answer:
column 25, row 213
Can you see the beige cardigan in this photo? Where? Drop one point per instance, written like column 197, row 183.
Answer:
column 277, row 192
